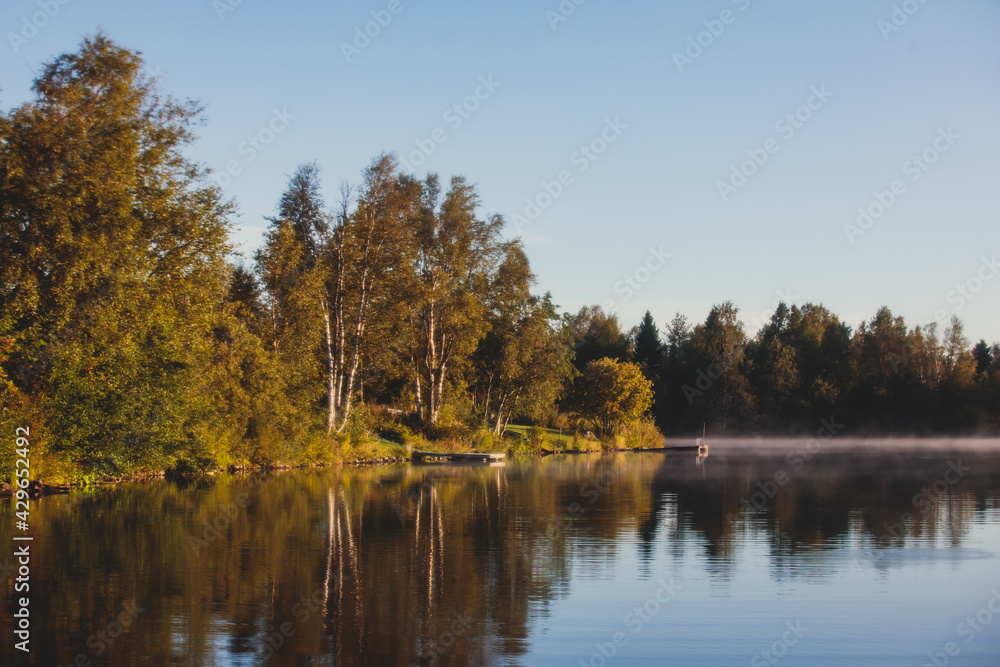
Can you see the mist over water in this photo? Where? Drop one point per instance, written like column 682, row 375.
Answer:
column 764, row 552
column 861, row 446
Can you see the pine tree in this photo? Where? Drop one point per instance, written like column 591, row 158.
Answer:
column 983, row 355
column 648, row 350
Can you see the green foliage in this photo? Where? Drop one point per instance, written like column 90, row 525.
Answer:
column 538, row 437
column 718, row 352
column 450, row 271
column 983, row 356
column 581, row 443
column 597, row 335
column 293, row 304
column 484, row 440
column 356, row 430
column 522, row 447
column 648, row 350
column 452, row 434
column 806, row 365
column 523, row 363
column 641, row 434
column 394, row 432
column 612, row 395
column 115, row 248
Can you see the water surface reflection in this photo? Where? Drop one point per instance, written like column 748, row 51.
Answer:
column 629, row 558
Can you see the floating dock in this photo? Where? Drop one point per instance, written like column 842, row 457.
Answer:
column 674, row 448
column 701, row 448
column 445, row 457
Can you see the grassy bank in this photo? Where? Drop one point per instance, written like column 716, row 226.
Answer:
column 373, row 436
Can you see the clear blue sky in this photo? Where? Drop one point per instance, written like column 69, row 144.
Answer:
column 781, row 234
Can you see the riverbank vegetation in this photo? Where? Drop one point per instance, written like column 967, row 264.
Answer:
column 133, row 339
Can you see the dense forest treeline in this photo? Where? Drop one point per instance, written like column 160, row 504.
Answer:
column 132, row 339
column 806, row 364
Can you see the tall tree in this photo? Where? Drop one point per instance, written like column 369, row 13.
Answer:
column 720, row 386
column 522, row 363
column 598, row 335
column 366, row 253
column 775, row 369
column 923, row 360
column 246, row 296
column 287, row 264
column 959, row 362
column 983, row 354
column 881, row 347
column 678, row 336
column 800, row 362
column 303, row 206
column 113, row 247
column 648, row 350
column 836, row 376
column 672, row 412
column 455, row 256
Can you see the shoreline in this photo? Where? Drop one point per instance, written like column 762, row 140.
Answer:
column 756, row 444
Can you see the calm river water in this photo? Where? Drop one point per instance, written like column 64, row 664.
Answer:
column 798, row 555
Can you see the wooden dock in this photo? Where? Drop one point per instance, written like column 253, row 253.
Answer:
column 445, row 457
column 702, row 449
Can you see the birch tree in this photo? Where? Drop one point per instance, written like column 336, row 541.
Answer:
column 365, row 253
column 455, row 254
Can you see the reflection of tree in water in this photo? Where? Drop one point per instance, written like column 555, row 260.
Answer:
column 438, row 569
column 835, row 502
column 447, row 566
